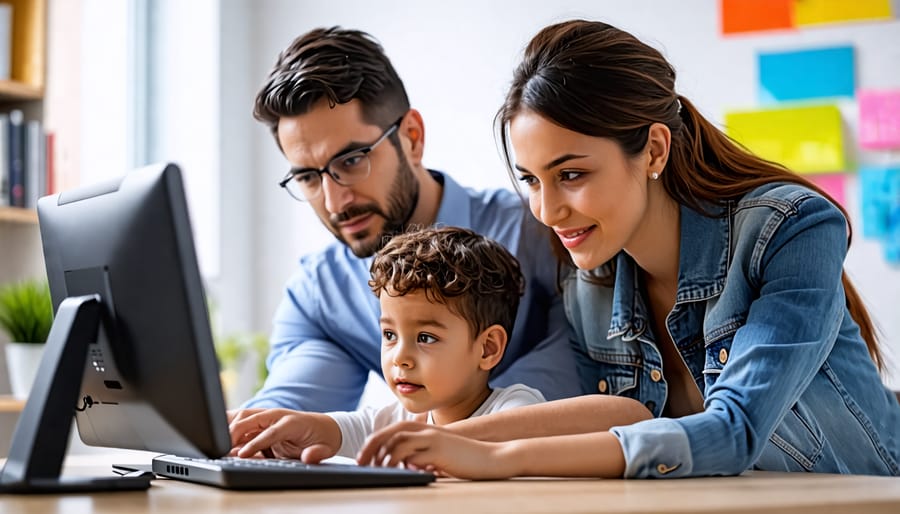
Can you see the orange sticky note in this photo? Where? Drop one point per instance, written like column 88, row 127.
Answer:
column 753, row 15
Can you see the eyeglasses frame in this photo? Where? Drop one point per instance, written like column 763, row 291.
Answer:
column 365, row 150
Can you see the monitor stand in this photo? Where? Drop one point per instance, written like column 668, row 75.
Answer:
column 39, row 442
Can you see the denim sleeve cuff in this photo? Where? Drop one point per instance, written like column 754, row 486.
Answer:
column 656, row 448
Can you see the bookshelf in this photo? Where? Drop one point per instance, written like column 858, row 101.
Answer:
column 11, row 90
column 10, row 404
column 18, row 216
column 20, row 244
column 20, row 251
column 24, row 90
column 28, row 52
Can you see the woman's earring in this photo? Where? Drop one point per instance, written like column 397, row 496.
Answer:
column 654, row 175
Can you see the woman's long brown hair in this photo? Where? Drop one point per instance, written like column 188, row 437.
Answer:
column 595, row 79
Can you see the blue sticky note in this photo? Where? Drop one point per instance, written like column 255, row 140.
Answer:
column 880, row 201
column 892, row 238
column 805, row 74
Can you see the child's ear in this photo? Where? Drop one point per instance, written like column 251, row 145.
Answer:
column 493, row 344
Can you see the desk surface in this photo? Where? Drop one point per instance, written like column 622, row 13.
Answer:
column 752, row 493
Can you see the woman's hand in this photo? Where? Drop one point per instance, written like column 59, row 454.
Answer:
column 436, row 449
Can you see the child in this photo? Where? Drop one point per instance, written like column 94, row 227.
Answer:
column 448, row 302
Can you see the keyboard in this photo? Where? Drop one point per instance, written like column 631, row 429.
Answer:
column 237, row 473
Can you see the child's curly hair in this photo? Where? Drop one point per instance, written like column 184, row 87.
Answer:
column 475, row 277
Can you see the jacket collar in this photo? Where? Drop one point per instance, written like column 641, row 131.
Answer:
column 703, row 264
column 705, row 253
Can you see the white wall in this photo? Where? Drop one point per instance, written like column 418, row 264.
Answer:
column 233, row 288
column 456, row 59
column 183, row 122
column 104, row 91
column 199, row 103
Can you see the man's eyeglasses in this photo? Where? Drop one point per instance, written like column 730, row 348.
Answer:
column 350, row 168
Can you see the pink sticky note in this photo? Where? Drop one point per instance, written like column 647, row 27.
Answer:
column 831, row 184
column 879, row 119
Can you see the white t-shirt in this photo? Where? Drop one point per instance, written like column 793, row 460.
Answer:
column 357, row 425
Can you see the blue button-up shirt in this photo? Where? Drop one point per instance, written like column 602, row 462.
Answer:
column 326, row 336
column 761, row 322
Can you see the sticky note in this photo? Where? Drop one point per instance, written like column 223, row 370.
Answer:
column 805, row 74
column 879, row 200
column 879, row 119
column 806, row 139
column 831, row 184
column 892, row 238
column 752, row 15
column 816, row 12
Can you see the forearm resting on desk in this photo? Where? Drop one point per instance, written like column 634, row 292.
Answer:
column 562, row 438
column 434, row 448
column 579, row 415
column 581, row 455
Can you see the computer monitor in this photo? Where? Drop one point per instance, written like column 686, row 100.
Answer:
column 130, row 354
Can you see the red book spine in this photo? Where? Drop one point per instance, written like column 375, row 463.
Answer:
column 51, row 169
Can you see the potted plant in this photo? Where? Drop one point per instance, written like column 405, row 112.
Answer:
column 26, row 314
column 242, row 359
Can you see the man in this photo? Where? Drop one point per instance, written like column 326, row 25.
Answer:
column 341, row 116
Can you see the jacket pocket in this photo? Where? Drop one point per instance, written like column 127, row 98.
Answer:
column 799, row 437
column 610, row 373
column 717, row 355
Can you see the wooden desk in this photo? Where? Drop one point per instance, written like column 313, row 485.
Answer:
column 753, row 493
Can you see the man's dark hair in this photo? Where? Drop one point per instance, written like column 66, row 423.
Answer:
column 337, row 64
column 475, row 277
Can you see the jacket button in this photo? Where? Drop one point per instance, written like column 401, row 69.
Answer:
column 655, row 375
column 723, row 355
column 663, row 469
column 602, row 386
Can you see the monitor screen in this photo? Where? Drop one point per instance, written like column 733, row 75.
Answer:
column 120, row 258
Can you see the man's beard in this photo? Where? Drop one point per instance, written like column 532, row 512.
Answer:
column 402, row 200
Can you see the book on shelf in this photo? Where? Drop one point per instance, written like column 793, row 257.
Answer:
column 4, row 160
column 25, row 161
column 35, row 165
column 50, row 162
column 16, row 158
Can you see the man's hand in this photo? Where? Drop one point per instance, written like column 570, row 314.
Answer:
column 284, row 434
column 436, row 449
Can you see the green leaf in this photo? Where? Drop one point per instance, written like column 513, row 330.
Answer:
column 26, row 311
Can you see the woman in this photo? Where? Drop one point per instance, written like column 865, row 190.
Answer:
column 710, row 288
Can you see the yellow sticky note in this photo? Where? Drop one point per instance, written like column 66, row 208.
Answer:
column 806, row 139
column 816, row 12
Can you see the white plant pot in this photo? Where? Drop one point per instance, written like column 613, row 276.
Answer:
column 22, row 360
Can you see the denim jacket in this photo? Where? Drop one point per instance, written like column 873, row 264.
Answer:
column 761, row 321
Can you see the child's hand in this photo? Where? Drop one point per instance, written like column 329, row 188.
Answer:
column 436, row 449
column 284, row 434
